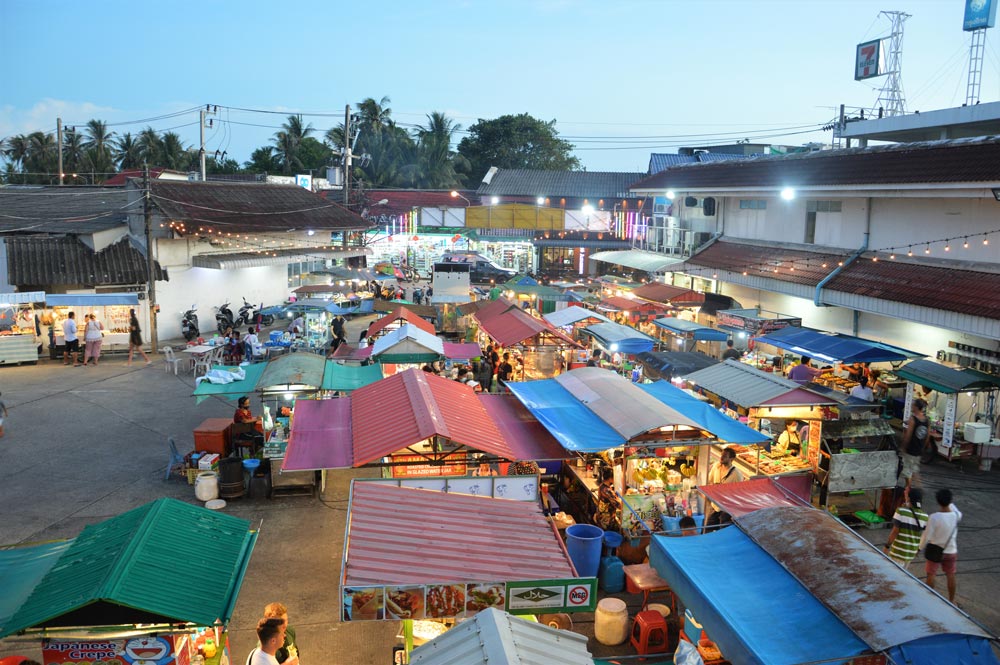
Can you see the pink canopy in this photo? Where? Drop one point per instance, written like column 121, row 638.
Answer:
column 321, row 437
column 738, row 499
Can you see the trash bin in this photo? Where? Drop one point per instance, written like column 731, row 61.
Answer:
column 230, row 478
column 583, row 542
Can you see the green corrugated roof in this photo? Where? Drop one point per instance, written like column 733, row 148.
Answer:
column 349, row 377
column 944, row 379
column 138, row 568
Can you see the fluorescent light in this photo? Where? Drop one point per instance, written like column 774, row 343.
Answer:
column 788, row 193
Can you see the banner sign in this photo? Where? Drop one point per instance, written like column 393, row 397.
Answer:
column 753, row 326
column 455, row 601
column 404, row 466
column 149, row 650
column 979, row 14
column 868, row 62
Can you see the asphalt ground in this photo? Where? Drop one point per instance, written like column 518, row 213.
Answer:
column 85, row 444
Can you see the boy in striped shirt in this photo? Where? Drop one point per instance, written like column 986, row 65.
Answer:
column 907, row 525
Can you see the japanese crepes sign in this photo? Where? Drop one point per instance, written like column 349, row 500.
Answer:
column 460, row 600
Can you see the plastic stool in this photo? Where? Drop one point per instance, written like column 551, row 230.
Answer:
column 649, row 633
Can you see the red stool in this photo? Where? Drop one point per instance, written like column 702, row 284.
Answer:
column 649, row 633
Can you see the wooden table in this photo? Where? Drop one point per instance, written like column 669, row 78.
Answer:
column 642, row 577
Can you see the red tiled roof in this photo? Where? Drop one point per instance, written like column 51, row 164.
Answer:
column 941, row 287
column 973, row 160
column 399, row 315
column 447, row 538
column 665, row 293
column 409, row 407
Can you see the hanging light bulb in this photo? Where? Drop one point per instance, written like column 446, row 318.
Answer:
column 986, row 240
column 909, row 251
column 824, row 265
column 744, row 273
column 927, row 249
column 947, row 247
column 965, row 243
column 893, row 255
column 875, row 258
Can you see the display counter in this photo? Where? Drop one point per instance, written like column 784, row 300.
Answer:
column 17, row 349
column 756, row 461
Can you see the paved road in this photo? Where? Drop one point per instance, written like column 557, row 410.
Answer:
column 85, row 444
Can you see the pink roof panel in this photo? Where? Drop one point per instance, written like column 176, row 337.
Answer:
column 526, row 437
column 738, row 499
column 321, row 438
column 401, row 535
column 462, row 350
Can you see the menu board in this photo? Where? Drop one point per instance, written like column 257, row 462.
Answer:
column 459, row 600
column 409, row 466
column 815, row 434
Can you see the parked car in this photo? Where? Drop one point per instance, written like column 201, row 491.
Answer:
column 483, row 270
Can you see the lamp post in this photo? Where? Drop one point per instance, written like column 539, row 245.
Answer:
column 456, row 195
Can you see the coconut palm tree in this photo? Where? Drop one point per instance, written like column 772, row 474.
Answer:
column 42, row 158
column 98, row 145
column 173, row 153
column 16, row 149
column 150, row 146
column 127, row 152
column 288, row 140
column 375, row 115
column 438, row 165
column 74, row 152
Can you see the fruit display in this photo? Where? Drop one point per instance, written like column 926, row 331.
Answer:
column 658, row 474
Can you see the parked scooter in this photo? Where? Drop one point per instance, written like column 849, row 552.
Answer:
column 189, row 324
column 224, row 318
column 249, row 313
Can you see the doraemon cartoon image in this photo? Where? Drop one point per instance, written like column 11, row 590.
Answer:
column 148, row 651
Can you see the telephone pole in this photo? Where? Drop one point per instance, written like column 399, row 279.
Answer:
column 59, row 138
column 201, row 127
column 147, row 213
column 347, row 155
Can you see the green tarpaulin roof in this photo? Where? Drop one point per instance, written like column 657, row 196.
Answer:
column 138, row 568
column 349, row 377
column 233, row 390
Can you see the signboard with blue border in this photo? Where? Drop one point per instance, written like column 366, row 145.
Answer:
column 979, row 14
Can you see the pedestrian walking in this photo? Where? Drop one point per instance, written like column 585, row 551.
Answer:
column 941, row 541
column 505, row 371
column 92, row 339
column 915, row 438
column 135, row 338
column 908, row 524
column 289, row 648
column 72, row 347
column 484, row 374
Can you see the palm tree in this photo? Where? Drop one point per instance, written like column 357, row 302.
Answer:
column 74, row 152
column 150, row 146
column 42, row 155
column 437, row 163
column 16, row 149
column 127, row 152
column 98, row 146
column 375, row 115
column 173, row 153
column 288, row 141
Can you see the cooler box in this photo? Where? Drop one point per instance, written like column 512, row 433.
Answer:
column 976, row 432
column 212, row 435
column 276, row 335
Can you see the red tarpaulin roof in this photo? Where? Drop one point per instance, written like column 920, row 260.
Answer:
column 527, row 438
column 402, row 535
column 400, row 315
column 321, row 438
column 741, row 498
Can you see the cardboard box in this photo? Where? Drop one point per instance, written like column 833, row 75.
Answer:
column 209, row 462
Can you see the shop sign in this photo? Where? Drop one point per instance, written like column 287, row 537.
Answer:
column 812, row 450
column 643, row 508
column 456, row 601
column 753, row 326
column 144, row 650
column 416, row 466
column 948, row 435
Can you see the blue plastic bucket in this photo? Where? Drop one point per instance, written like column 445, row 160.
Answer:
column 699, row 519
column 672, row 524
column 583, row 542
column 612, row 539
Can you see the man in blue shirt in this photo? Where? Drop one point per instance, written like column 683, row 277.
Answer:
column 804, row 372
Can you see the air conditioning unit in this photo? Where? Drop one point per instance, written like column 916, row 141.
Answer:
column 661, row 208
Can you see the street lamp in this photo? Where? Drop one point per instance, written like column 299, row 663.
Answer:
column 456, row 195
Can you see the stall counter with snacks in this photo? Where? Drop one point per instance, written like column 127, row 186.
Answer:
column 17, row 348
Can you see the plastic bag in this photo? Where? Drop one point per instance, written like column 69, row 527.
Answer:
column 687, row 654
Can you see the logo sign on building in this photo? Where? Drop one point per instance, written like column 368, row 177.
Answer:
column 146, row 650
column 304, row 181
column 979, row 14
column 868, row 62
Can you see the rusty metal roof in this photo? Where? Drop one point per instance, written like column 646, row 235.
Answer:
column 877, row 599
column 400, row 315
column 49, row 261
column 68, row 209
column 748, row 386
column 446, row 538
column 407, row 408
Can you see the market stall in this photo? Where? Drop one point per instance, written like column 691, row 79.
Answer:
column 620, row 343
column 668, row 294
column 745, row 323
column 631, row 310
column 20, row 327
column 672, row 365
column 396, row 318
column 533, row 342
column 968, row 419
column 446, row 554
column 525, row 290
column 790, row 609
column 111, row 309
column 110, row 594
column 689, row 336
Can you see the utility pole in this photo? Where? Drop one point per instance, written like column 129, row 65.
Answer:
column 347, row 155
column 147, row 213
column 59, row 138
column 201, row 127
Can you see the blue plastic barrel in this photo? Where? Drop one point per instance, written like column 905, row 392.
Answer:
column 583, row 542
column 611, row 576
column 672, row 525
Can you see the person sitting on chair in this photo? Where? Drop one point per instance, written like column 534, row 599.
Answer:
column 243, row 414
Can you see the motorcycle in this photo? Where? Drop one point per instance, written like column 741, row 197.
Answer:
column 189, row 324
column 249, row 313
column 224, row 318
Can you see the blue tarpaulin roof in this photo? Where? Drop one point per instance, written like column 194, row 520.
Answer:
column 573, row 425
column 830, row 347
column 95, row 299
column 624, row 339
column 698, row 331
column 766, row 616
column 706, row 415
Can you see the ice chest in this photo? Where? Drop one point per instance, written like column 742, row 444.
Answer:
column 212, row 435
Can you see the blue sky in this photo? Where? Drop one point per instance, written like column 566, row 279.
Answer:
column 622, row 78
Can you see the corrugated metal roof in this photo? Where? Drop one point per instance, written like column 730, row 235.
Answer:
column 409, row 407
column 612, row 332
column 638, row 258
column 493, row 637
column 747, row 386
column 878, row 600
column 402, row 201
column 570, row 184
column 660, row 161
column 401, row 314
column 408, row 339
column 321, row 437
column 65, row 261
column 683, row 327
column 251, row 207
column 349, row 377
column 932, row 162
column 230, row 260
column 765, row 259
column 624, row 406
column 293, row 369
column 945, row 379
column 666, row 293
column 507, row 324
column 76, row 210
column 570, row 315
column 527, row 438
column 447, row 538
column 136, row 568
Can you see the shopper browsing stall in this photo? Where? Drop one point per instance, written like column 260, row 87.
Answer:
column 243, row 413
column 609, row 505
column 942, row 531
column 72, row 341
column 724, row 471
column 93, row 336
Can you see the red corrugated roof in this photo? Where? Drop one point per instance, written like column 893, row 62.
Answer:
column 515, row 326
column 627, row 304
column 941, row 287
column 527, row 438
column 409, row 407
column 401, row 535
column 399, row 315
column 321, row 438
column 490, row 309
column 666, row 293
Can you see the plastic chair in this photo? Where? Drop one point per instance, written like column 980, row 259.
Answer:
column 169, row 359
column 649, row 633
column 176, row 459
